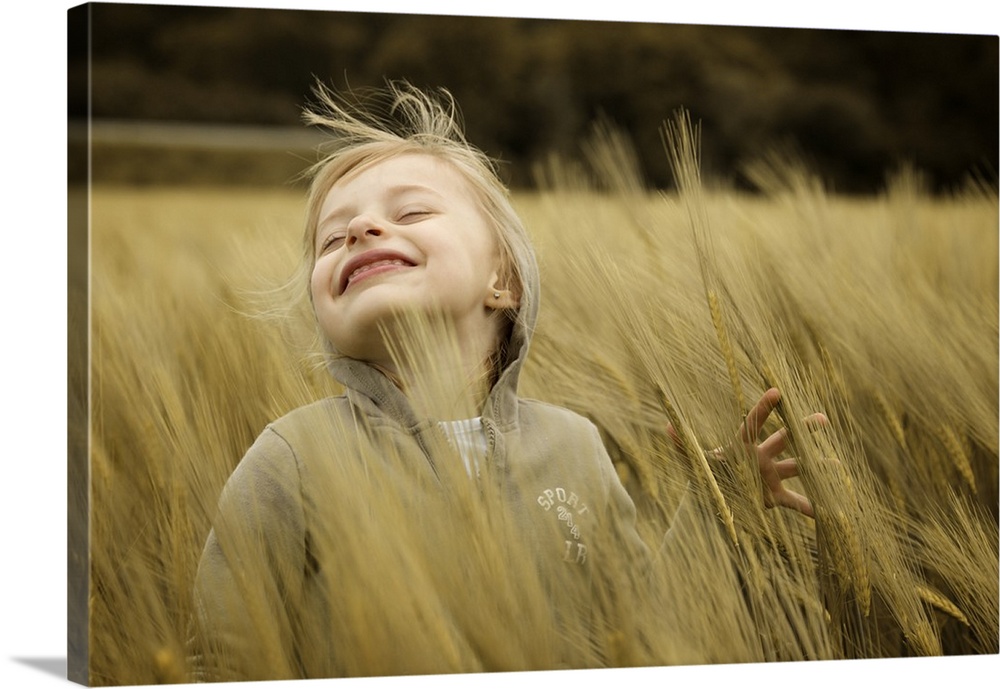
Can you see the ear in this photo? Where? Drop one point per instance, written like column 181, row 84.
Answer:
column 498, row 298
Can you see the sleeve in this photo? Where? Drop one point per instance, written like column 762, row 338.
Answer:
column 620, row 512
column 683, row 521
column 624, row 515
column 251, row 571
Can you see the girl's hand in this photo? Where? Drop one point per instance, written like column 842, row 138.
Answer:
column 772, row 470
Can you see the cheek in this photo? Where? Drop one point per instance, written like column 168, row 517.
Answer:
column 320, row 280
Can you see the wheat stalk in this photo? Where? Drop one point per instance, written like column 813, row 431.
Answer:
column 692, row 449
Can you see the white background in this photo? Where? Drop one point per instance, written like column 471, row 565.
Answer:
column 33, row 383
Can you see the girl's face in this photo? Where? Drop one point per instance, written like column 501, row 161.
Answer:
column 403, row 233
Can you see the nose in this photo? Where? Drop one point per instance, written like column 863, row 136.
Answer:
column 362, row 227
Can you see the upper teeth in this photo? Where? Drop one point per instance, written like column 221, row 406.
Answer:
column 376, row 264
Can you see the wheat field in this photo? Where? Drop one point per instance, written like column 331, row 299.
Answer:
column 657, row 308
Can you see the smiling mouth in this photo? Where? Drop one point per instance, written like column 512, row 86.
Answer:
column 374, row 268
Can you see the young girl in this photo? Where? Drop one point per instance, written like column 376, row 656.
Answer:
column 415, row 523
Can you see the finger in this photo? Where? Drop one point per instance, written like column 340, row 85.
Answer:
column 778, row 441
column 774, row 445
column 750, row 428
column 787, row 468
column 672, row 432
column 793, row 501
column 816, row 421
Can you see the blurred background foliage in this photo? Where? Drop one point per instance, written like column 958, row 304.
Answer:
column 852, row 104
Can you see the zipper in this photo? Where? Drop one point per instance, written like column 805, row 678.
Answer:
column 491, row 439
column 491, row 450
column 419, row 435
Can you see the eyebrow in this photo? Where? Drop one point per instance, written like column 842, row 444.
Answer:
column 390, row 193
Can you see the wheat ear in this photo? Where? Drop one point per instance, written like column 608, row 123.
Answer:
column 941, row 603
column 726, row 346
column 957, row 454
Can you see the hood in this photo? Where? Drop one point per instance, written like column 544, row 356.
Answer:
column 362, row 379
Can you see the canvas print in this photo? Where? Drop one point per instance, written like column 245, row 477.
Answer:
column 421, row 345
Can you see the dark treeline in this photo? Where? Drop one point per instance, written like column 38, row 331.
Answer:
column 853, row 104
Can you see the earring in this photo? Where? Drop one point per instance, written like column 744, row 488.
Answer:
column 496, row 295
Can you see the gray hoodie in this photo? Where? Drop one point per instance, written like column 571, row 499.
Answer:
column 351, row 540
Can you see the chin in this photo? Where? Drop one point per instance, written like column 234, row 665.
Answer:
column 358, row 335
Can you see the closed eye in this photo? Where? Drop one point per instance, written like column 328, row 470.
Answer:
column 332, row 241
column 413, row 214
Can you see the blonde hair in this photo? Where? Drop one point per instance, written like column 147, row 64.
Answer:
column 402, row 119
